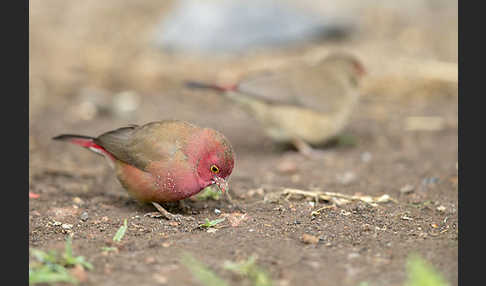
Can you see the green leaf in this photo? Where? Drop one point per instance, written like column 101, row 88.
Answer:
column 212, row 223
column 49, row 274
column 251, row 270
column 108, row 249
column 121, row 232
column 51, row 267
column 421, row 273
column 211, row 192
column 201, row 272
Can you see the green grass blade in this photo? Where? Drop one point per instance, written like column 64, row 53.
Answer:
column 421, row 273
column 121, row 232
column 251, row 270
column 201, row 272
column 212, row 223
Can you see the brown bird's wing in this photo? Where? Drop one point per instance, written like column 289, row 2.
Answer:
column 119, row 143
column 272, row 87
column 315, row 87
column 141, row 145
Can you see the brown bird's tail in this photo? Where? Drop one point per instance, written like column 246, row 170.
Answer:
column 84, row 141
column 201, row 85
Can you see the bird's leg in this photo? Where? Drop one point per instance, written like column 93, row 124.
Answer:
column 183, row 205
column 167, row 214
column 305, row 149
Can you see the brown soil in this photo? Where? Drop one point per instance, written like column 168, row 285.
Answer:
column 356, row 242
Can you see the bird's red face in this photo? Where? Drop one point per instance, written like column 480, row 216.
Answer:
column 215, row 160
column 215, row 168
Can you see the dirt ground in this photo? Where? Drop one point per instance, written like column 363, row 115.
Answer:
column 409, row 60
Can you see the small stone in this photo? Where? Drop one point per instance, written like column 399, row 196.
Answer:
column 149, row 260
column 441, row 208
column 78, row 201
column 366, row 227
column 84, row 216
column 366, row 157
column 309, row 239
column 406, row 218
column 67, row 226
column 160, row 279
column 345, row 213
column 166, row 244
column 407, row 189
column 287, row 167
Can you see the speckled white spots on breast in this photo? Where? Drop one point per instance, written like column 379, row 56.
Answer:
column 169, row 183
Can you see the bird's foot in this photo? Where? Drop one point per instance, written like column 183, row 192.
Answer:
column 164, row 213
column 307, row 150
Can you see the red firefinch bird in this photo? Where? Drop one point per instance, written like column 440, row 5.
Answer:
column 163, row 161
column 304, row 105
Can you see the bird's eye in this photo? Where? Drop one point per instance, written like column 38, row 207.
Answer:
column 214, row 169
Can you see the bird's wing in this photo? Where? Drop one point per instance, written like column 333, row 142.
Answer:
column 141, row 145
column 120, row 143
column 272, row 87
column 322, row 90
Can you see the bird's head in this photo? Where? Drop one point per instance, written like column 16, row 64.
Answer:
column 215, row 159
column 347, row 64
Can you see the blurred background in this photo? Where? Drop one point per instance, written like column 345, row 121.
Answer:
column 86, row 51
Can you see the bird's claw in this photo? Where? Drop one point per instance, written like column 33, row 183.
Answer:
column 164, row 213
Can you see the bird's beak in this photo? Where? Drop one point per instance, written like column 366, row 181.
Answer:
column 221, row 183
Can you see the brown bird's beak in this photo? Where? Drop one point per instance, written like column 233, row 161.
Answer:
column 221, row 183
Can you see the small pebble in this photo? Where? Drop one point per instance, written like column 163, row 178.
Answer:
column 441, row 208
column 309, row 239
column 149, row 260
column 78, row 201
column 160, row 279
column 84, row 216
column 66, row 226
column 407, row 189
column 166, row 244
column 287, row 167
column 366, row 157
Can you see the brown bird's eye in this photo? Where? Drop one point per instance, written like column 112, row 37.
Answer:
column 214, row 169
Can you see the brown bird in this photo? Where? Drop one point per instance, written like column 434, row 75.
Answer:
column 305, row 105
column 163, row 161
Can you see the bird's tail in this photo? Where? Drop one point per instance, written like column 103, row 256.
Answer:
column 201, row 85
column 84, row 141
